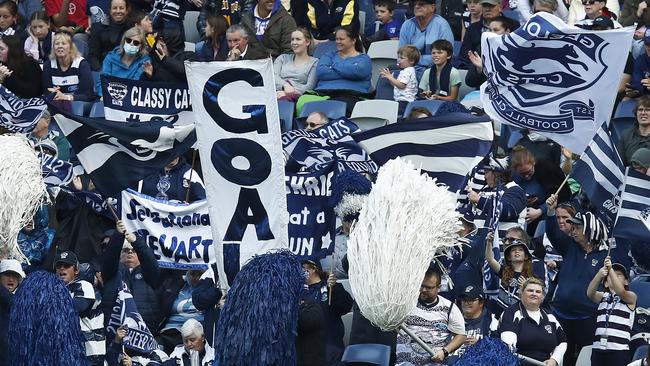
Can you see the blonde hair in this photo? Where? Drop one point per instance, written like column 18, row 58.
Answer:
column 521, row 156
column 74, row 52
column 410, row 52
column 308, row 37
column 133, row 33
column 533, row 281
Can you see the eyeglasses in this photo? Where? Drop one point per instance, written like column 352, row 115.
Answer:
column 643, row 110
column 132, row 41
column 128, row 251
column 313, row 125
column 590, row 2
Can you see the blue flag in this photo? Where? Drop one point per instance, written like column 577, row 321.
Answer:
column 56, row 172
column 125, row 312
column 634, row 209
column 446, row 147
column 600, row 173
column 117, row 155
column 19, row 115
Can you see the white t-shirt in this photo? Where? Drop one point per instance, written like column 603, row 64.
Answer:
column 406, row 76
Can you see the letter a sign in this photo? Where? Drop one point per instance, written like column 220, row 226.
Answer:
column 238, row 130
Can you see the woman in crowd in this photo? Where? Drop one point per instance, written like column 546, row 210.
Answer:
column 19, row 73
column 214, row 47
column 638, row 135
column 295, row 73
column 519, row 265
column 105, row 37
column 67, row 74
column 39, row 43
column 345, row 74
column 8, row 18
column 129, row 60
column 194, row 350
column 530, row 329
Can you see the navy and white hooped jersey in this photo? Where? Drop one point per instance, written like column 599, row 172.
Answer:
column 67, row 80
column 614, row 321
column 91, row 322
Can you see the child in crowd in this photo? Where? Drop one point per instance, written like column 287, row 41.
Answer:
column 441, row 81
column 389, row 27
column 39, row 43
column 8, row 17
column 471, row 15
column 405, row 86
column 91, row 319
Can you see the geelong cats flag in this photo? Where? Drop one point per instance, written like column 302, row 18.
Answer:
column 553, row 78
column 238, row 129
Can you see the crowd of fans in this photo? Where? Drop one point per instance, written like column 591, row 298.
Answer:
column 545, row 298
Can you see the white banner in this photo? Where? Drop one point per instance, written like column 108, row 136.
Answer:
column 553, row 78
column 238, row 129
column 178, row 233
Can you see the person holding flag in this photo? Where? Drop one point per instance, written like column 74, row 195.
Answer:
column 118, row 355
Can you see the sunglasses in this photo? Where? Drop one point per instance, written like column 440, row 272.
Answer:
column 132, row 41
column 590, row 2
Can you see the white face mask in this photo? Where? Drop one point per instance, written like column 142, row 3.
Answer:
column 130, row 49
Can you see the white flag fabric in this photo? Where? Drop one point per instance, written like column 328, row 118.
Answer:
column 238, row 129
column 553, row 78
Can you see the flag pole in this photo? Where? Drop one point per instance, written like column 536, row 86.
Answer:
column 563, row 183
column 189, row 185
column 110, row 207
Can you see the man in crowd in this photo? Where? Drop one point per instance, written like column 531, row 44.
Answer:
column 11, row 274
column 240, row 48
column 322, row 18
column 316, row 120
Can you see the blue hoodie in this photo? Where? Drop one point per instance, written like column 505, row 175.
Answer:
column 113, row 66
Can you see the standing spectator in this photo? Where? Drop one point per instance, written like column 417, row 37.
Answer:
column 405, row 86
column 295, row 73
column 11, row 274
column 194, row 350
column 475, row 75
column 214, row 46
column 67, row 74
column 19, row 73
column 169, row 15
column 471, row 15
column 424, row 29
column 526, row 8
column 638, row 135
column 530, row 329
column 334, row 301
column 83, row 295
column 634, row 11
column 35, row 239
column 240, row 47
column 272, row 26
column 310, row 340
column 129, row 60
column 615, row 315
column 167, row 58
column 206, row 295
column 104, row 38
column 40, row 41
column 229, row 9
column 118, row 355
column 437, row 317
column 578, row 10
column 323, row 18
column 441, row 81
column 173, row 182
column 594, row 9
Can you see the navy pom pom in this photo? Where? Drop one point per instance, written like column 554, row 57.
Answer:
column 488, row 351
column 44, row 327
column 350, row 182
column 258, row 323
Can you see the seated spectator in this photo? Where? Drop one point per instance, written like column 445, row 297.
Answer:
column 70, row 16
column 19, row 73
column 39, row 43
column 615, row 315
column 471, row 15
column 129, row 60
column 579, row 10
column 83, row 295
column 174, row 182
column 335, row 302
column 169, row 15
column 11, row 275
column 479, row 320
column 67, row 74
column 316, row 120
column 345, row 74
column 323, row 18
column 105, row 37
column 295, row 73
column 638, row 135
column 405, row 86
column 167, row 58
column 530, row 330
column 634, row 11
column 8, row 18
column 594, row 9
column 419, row 112
column 194, row 350
column 240, row 47
column 213, row 47
column 229, row 9
column 143, row 21
column 423, row 30
column 640, row 161
column 526, row 9
column 272, row 26
column 118, row 355
column 389, row 27
column 441, row 81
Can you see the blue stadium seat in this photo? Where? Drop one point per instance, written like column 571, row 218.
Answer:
column 431, row 105
column 79, row 108
column 457, row 45
column 383, row 89
column 368, row 353
column 97, row 110
column 324, row 47
column 399, row 14
column 618, row 125
column 286, row 110
column 332, row 108
column 625, row 109
column 642, row 291
column 640, row 353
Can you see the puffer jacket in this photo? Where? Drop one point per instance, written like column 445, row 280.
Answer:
column 277, row 36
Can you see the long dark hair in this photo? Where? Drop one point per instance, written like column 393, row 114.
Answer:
column 352, row 32
column 219, row 26
column 16, row 56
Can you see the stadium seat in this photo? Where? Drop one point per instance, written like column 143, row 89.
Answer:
column 189, row 25
column 625, row 109
column 95, row 77
column 642, row 291
column 584, row 358
column 362, row 20
column 384, row 89
column 464, row 89
column 97, row 110
column 640, row 353
column 399, row 14
column 619, row 125
column 379, row 109
column 369, row 353
column 383, row 54
column 347, row 326
column 79, row 108
column 457, row 45
column 431, row 105
column 286, row 109
column 324, row 47
column 642, row 278
column 190, row 46
column 332, row 108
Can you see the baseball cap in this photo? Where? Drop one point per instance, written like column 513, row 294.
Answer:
column 11, row 265
column 491, row 2
column 603, row 21
column 472, row 292
column 641, row 157
column 621, row 268
column 577, row 219
column 67, row 257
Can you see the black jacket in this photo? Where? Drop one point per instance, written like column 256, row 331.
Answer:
column 5, row 307
column 310, row 341
column 103, row 39
column 26, row 82
column 171, row 69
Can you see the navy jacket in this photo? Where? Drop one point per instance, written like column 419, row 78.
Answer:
column 205, row 297
column 176, row 187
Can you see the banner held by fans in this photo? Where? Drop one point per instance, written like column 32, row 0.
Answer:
column 238, row 127
column 311, row 216
column 178, row 233
column 125, row 312
column 549, row 77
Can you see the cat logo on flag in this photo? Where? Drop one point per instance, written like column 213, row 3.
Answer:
column 537, row 70
column 117, row 92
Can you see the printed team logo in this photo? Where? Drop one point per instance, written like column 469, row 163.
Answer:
column 548, row 328
column 117, row 91
column 537, row 71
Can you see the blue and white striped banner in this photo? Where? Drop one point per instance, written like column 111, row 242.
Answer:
column 634, row 210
